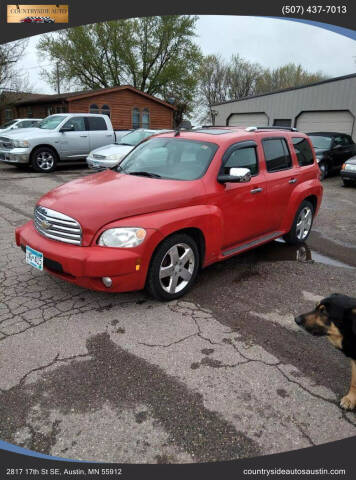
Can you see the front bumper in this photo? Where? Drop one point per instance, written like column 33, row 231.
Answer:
column 348, row 175
column 100, row 164
column 15, row 155
column 86, row 266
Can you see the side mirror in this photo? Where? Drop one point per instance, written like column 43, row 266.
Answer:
column 337, row 147
column 68, row 128
column 236, row 175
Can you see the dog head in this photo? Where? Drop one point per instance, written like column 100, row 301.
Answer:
column 333, row 316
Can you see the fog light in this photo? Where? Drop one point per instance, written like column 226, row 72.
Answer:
column 107, row 281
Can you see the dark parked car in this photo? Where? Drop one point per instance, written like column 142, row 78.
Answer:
column 348, row 172
column 332, row 150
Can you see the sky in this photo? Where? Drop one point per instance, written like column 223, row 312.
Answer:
column 270, row 42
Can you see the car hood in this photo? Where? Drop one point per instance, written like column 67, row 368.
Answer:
column 101, row 198
column 351, row 160
column 27, row 133
column 112, row 149
column 320, row 151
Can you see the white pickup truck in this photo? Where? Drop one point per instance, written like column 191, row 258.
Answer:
column 59, row 137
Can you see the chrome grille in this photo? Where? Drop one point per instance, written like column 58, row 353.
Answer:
column 57, row 226
column 6, row 143
column 98, row 157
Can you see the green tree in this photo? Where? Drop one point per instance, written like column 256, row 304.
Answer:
column 157, row 55
column 286, row 76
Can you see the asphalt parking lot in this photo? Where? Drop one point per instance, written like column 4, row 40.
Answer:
column 222, row 374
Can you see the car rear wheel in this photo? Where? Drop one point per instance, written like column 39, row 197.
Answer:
column 174, row 267
column 323, row 170
column 302, row 224
column 44, row 160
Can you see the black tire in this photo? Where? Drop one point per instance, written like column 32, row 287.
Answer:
column 293, row 237
column 157, row 286
column 347, row 183
column 44, row 156
column 324, row 170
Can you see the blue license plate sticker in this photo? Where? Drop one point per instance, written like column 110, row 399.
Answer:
column 34, row 258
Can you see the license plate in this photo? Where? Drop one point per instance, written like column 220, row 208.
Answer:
column 34, row 258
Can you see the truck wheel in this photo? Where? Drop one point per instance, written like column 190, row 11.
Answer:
column 174, row 267
column 302, row 224
column 44, row 160
column 323, row 170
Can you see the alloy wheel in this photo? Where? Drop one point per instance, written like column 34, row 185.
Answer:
column 304, row 223
column 177, row 268
column 45, row 160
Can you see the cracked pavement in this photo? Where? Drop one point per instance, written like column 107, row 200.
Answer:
column 223, row 373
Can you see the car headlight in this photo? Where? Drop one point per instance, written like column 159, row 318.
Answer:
column 347, row 166
column 115, row 156
column 318, row 159
column 21, row 143
column 126, row 237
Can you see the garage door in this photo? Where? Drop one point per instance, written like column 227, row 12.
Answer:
column 337, row 121
column 248, row 120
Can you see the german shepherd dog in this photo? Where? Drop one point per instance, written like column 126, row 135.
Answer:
column 335, row 317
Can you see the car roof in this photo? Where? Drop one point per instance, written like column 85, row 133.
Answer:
column 222, row 135
column 330, row 134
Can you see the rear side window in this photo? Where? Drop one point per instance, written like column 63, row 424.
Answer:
column 276, row 154
column 97, row 123
column 242, row 158
column 303, row 151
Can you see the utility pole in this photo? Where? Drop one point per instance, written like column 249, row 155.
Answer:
column 57, row 75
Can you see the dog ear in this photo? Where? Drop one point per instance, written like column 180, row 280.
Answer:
column 335, row 308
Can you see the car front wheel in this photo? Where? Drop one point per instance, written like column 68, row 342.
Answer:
column 174, row 267
column 44, row 160
column 302, row 224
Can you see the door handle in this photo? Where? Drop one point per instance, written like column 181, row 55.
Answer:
column 84, row 136
column 293, row 180
column 256, row 190
column 108, row 135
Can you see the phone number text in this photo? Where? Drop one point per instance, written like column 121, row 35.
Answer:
column 314, row 9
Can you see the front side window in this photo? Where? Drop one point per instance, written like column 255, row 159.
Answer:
column 340, row 140
column 52, row 122
column 303, row 151
column 145, row 118
column 97, row 123
column 135, row 118
column 25, row 124
column 94, row 108
column 77, row 122
column 242, row 158
column 169, row 158
column 276, row 154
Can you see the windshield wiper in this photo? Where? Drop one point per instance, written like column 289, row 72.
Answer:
column 145, row 174
column 126, row 144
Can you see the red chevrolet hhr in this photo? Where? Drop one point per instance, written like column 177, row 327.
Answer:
column 178, row 202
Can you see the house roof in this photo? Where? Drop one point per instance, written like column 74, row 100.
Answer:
column 72, row 96
column 321, row 82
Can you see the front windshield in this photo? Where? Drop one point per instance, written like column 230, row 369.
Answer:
column 169, row 158
column 7, row 124
column 321, row 142
column 52, row 122
column 134, row 138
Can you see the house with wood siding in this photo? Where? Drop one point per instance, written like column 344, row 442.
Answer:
column 126, row 106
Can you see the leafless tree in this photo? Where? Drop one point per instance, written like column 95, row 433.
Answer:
column 10, row 53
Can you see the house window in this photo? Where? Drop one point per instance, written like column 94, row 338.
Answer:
column 94, row 108
column 60, row 109
column 9, row 114
column 282, row 122
column 29, row 112
column 135, row 118
column 145, row 118
column 105, row 110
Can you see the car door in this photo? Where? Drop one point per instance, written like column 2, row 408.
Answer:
column 243, row 205
column 99, row 135
column 342, row 150
column 75, row 143
column 282, row 178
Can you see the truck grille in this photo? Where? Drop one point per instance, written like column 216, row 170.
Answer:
column 6, row 143
column 57, row 226
column 98, row 157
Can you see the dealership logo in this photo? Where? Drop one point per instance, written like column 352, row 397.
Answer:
column 37, row 13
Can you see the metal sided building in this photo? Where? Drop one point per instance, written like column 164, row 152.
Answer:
column 329, row 106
